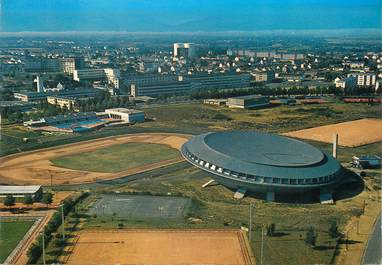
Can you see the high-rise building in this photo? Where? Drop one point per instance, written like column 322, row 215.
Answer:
column 68, row 65
column 185, row 50
column 364, row 79
column 41, row 64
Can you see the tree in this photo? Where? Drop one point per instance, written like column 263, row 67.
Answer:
column 9, row 201
column 28, row 200
column 47, row 198
column 333, row 230
column 34, row 252
column 311, row 237
column 71, row 108
column 58, row 242
column 271, row 229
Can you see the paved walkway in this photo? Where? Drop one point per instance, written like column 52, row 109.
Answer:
column 373, row 253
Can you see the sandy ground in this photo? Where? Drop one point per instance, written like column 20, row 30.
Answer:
column 161, row 247
column 350, row 134
column 35, row 168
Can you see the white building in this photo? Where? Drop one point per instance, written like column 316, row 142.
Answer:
column 186, row 50
column 364, row 79
column 88, row 74
column 20, row 191
column 110, row 75
column 126, row 115
column 67, row 65
column 348, row 82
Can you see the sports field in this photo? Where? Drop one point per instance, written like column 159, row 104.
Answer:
column 351, row 133
column 118, row 157
column 161, row 247
column 140, row 206
column 10, row 235
column 36, row 168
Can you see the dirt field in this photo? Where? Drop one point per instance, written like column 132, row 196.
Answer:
column 350, row 134
column 161, row 247
column 31, row 168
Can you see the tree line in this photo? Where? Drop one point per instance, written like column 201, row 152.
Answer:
column 35, row 251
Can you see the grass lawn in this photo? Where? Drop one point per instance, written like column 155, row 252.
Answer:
column 118, row 157
column 10, row 235
column 290, row 248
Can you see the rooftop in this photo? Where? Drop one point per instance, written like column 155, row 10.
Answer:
column 249, row 97
column 262, row 154
column 264, row 149
column 18, row 189
column 14, row 103
column 123, row 110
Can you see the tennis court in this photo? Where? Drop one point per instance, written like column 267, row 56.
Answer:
column 140, row 206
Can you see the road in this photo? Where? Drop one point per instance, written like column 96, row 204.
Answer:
column 373, row 253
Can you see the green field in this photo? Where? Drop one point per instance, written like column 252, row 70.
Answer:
column 10, row 235
column 118, row 157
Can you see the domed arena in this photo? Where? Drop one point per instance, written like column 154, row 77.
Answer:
column 260, row 162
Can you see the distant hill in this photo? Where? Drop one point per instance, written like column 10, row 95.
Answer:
column 186, row 15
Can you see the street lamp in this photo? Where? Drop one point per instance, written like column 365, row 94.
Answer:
column 62, row 222
column 262, row 244
column 43, row 247
column 251, row 205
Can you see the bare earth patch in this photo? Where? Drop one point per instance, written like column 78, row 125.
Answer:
column 161, row 247
column 351, row 134
column 35, row 167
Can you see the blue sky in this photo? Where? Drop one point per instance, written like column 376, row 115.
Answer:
column 187, row 15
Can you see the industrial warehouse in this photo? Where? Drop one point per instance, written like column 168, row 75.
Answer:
column 262, row 163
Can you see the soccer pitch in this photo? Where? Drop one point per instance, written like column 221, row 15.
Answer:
column 10, row 235
column 118, row 157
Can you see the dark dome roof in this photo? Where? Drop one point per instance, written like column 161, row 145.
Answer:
column 265, row 149
column 262, row 154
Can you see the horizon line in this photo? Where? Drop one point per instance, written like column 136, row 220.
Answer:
column 273, row 31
